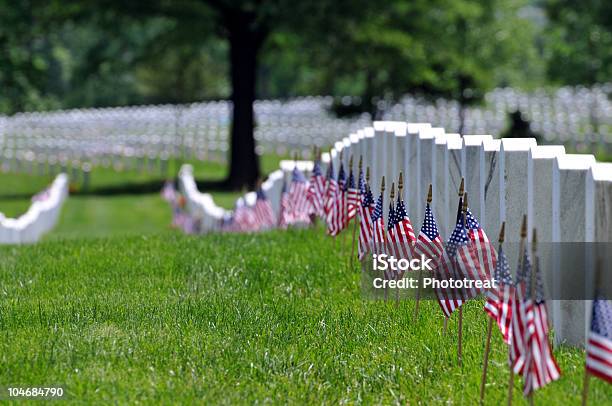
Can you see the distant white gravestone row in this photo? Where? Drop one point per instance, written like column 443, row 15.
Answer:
column 566, row 197
column 40, row 218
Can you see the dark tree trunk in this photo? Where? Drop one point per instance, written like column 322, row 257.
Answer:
column 462, row 108
column 245, row 41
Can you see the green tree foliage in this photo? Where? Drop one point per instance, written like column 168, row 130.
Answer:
column 81, row 54
column 579, row 41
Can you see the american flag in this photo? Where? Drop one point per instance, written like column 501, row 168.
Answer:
column 451, row 299
column 264, row 215
column 379, row 234
column 330, row 199
column 298, row 194
column 499, row 300
column 519, row 316
column 401, row 234
column 352, row 198
column 244, row 216
column 530, row 351
column 429, row 243
column 365, row 217
column 459, row 261
column 487, row 256
column 540, row 365
column 286, row 212
column 339, row 212
column 316, row 191
column 599, row 346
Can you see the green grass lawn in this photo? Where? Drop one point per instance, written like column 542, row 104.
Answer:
column 86, row 215
column 236, row 319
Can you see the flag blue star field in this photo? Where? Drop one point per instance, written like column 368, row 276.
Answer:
column 379, row 234
column 499, row 300
column 365, row 217
column 599, row 346
column 429, row 242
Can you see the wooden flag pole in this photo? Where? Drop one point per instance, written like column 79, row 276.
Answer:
column 382, row 195
column 460, row 327
column 418, row 292
column 521, row 256
column 587, row 376
column 356, row 218
column 459, row 209
column 363, row 261
column 485, row 360
column 400, row 187
column 585, row 388
column 391, row 199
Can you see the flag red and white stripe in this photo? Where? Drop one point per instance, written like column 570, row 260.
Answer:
column 379, row 233
column 365, row 218
column 264, row 215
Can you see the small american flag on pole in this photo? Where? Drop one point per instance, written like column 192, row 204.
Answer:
column 530, row 351
column 599, row 345
column 401, row 234
column 498, row 304
column 485, row 250
column 298, row 194
column 244, row 217
column 285, row 215
column 429, row 243
column 365, row 217
column 339, row 212
column 519, row 317
column 379, row 234
column 451, row 299
column 316, row 191
column 264, row 215
column 330, row 199
column 352, row 197
column 541, row 366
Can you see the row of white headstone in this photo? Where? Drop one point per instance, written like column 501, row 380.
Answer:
column 570, row 115
column 580, row 117
column 40, row 218
column 566, row 197
column 198, row 130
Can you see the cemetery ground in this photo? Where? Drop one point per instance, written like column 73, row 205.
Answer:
column 115, row 306
column 116, row 203
column 236, row 319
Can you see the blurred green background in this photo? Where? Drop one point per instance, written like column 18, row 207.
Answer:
column 115, row 53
